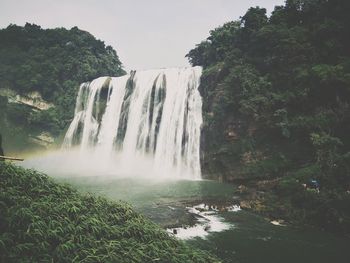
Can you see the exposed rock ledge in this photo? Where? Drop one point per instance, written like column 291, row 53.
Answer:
column 32, row 99
column 44, row 139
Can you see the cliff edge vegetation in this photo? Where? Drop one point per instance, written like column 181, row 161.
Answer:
column 40, row 73
column 276, row 102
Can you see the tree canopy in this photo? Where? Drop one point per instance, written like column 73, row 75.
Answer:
column 53, row 62
column 277, row 105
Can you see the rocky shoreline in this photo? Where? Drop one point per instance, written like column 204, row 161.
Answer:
column 263, row 197
column 256, row 196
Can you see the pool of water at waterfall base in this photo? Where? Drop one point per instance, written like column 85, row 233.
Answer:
column 233, row 235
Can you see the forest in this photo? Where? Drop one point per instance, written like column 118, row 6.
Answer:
column 276, row 102
column 275, row 90
column 53, row 62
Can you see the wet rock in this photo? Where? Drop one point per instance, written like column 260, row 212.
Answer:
column 255, row 205
column 32, row 99
column 206, row 228
column 44, row 139
column 278, row 222
column 242, row 189
column 245, row 204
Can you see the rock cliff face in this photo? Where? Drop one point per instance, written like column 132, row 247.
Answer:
column 32, row 99
column 221, row 131
column 44, row 139
column 231, row 143
column 18, row 121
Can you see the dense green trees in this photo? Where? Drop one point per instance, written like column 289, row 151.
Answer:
column 53, row 62
column 50, row 60
column 277, row 93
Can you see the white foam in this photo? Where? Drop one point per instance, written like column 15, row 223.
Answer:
column 209, row 221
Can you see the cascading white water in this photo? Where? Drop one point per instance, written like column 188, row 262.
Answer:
column 154, row 114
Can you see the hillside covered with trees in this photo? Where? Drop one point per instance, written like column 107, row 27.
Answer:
column 42, row 220
column 276, row 94
column 52, row 62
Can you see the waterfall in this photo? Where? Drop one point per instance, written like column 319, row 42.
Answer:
column 153, row 114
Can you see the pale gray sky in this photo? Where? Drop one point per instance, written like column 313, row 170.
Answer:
column 145, row 33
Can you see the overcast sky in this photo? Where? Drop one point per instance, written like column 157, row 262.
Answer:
column 145, row 33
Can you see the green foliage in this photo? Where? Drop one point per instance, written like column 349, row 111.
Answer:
column 288, row 186
column 47, row 119
column 43, row 221
column 282, row 83
column 270, row 167
column 326, row 208
column 53, row 62
column 326, row 148
column 16, row 126
column 306, row 173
